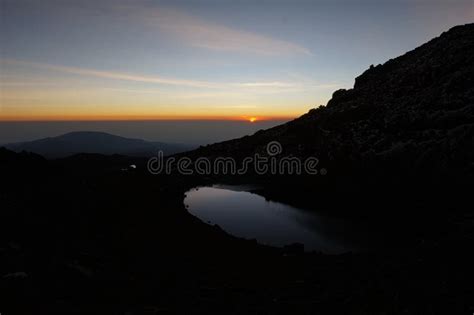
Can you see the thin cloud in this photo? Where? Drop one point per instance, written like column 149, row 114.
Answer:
column 156, row 79
column 266, row 84
column 192, row 30
column 117, row 75
column 200, row 33
column 220, row 88
column 328, row 86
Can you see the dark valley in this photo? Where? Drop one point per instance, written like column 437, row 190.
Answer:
column 88, row 234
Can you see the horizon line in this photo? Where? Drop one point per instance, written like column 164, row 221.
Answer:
column 256, row 118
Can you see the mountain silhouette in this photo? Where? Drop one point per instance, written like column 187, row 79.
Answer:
column 94, row 142
column 79, row 231
column 412, row 115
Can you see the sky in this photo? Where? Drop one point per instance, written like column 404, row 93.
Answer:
column 147, row 60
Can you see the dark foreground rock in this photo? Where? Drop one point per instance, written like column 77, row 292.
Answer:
column 81, row 236
column 123, row 243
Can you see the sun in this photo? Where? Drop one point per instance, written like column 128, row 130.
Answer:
column 253, row 119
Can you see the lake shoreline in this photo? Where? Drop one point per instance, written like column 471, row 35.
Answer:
column 137, row 247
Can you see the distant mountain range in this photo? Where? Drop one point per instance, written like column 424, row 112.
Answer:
column 95, row 142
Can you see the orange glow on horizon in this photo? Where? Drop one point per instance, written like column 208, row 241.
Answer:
column 252, row 119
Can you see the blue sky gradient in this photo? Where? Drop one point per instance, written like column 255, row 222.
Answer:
column 199, row 59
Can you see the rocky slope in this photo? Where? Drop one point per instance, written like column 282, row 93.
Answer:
column 76, row 240
column 415, row 114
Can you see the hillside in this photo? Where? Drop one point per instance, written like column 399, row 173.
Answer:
column 415, row 114
column 94, row 142
column 81, row 236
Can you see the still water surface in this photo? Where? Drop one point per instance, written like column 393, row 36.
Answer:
column 251, row 216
